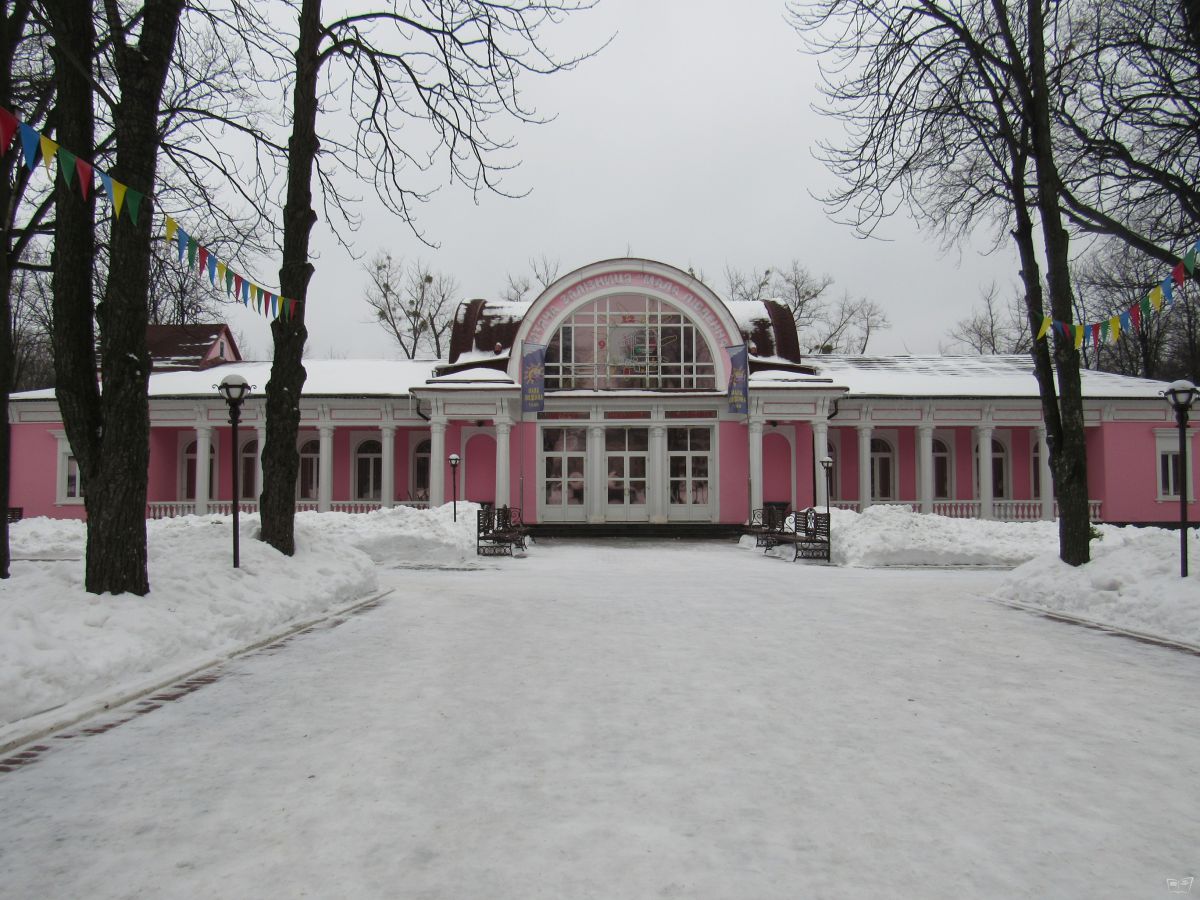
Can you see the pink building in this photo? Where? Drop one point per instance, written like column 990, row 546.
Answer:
column 636, row 426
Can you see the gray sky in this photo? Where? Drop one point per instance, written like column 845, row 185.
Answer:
column 688, row 140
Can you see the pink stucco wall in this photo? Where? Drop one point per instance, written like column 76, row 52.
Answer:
column 777, row 468
column 480, row 464
column 734, row 449
column 33, row 482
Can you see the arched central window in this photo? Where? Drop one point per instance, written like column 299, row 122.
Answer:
column 307, row 486
column 368, row 470
column 629, row 341
column 882, row 466
column 420, row 472
column 249, row 466
column 941, row 470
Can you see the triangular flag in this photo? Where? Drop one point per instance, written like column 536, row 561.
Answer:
column 66, row 165
column 221, row 269
column 237, row 285
column 1189, row 262
column 105, row 182
column 84, row 170
column 1168, row 290
column 291, row 308
column 1114, row 328
column 30, row 140
column 118, row 197
column 1046, row 322
column 1125, row 321
column 203, row 259
column 1095, row 335
column 1145, row 305
column 192, row 247
column 274, row 306
column 212, row 270
column 1078, row 336
column 172, row 227
column 182, row 238
column 134, row 201
column 8, row 128
column 245, row 292
column 1135, row 315
column 228, row 280
column 1156, row 297
column 1104, row 328
column 1179, row 273
column 49, row 149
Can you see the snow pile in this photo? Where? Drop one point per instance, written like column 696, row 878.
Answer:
column 60, row 645
column 1132, row 582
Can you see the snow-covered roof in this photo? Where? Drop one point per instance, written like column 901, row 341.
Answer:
column 955, row 376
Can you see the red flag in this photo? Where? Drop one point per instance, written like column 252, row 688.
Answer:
column 1135, row 315
column 237, row 285
column 1096, row 335
column 84, row 169
column 203, row 258
column 8, row 128
column 1179, row 273
column 291, row 308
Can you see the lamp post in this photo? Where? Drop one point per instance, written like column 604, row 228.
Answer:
column 455, row 459
column 234, row 388
column 827, row 465
column 1180, row 395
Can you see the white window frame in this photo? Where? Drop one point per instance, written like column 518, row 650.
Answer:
column 186, row 439
column 414, row 452
column 947, row 440
column 245, row 485
column 893, row 457
column 357, row 442
column 833, row 441
column 65, row 459
column 1006, row 457
column 301, row 441
column 1166, row 441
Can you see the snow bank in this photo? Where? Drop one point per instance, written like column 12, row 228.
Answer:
column 1132, row 582
column 60, row 645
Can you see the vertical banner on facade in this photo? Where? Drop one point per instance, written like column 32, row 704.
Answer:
column 533, row 377
column 739, row 380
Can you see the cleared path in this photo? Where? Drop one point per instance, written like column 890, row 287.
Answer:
column 617, row 721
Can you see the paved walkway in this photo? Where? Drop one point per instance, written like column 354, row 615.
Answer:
column 653, row 721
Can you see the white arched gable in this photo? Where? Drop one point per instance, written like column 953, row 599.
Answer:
column 625, row 276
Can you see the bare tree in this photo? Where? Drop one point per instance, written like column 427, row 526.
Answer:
column 846, row 326
column 543, row 272
column 454, row 66
column 998, row 327
column 413, row 304
column 752, row 286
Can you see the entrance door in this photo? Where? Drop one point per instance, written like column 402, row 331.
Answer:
column 625, row 451
column 564, row 461
column 689, row 462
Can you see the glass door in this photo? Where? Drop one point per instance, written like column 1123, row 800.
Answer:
column 625, row 452
column 564, row 464
column 689, row 458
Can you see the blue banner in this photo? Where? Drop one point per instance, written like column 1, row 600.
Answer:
column 533, row 377
column 739, row 380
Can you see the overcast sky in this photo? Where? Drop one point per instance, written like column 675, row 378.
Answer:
column 688, row 140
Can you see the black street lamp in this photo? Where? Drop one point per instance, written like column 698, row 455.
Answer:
column 455, row 459
column 234, row 388
column 1181, row 395
column 827, row 465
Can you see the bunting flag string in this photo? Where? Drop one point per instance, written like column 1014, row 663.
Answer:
column 200, row 259
column 1109, row 330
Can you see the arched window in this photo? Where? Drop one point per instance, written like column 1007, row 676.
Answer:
column 942, row 484
column 368, row 470
column 834, row 481
column 629, row 341
column 999, row 470
column 249, row 466
column 308, row 484
column 1035, row 454
column 189, row 471
column 420, row 472
column 882, row 469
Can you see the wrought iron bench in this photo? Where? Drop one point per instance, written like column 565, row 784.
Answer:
column 765, row 522
column 807, row 531
column 498, row 531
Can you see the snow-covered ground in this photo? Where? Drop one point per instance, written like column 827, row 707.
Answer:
column 63, row 651
column 628, row 719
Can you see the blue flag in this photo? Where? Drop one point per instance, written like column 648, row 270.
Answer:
column 739, row 380
column 533, row 377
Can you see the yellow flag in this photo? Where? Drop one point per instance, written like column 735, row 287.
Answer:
column 1156, row 297
column 118, row 197
column 1079, row 329
column 172, row 227
column 1114, row 328
column 220, row 271
column 1046, row 323
column 49, row 148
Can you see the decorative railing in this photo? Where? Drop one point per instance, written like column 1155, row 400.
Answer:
column 1003, row 510
column 956, row 509
column 355, row 506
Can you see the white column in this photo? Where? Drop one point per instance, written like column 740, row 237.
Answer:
column 657, row 483
column 503, row 467
column 325, row 470
column 756, row 464
column 596, row 489
column 260, row 432
column 864, row 467
column 1046, row 480
column 925, row 461
column 437, row 463
column 983, row 436
column 820, row 449
column 203, row 450
column 387, row 475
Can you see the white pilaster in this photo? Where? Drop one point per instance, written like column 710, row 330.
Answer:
column 864, row 467
column 820, row 449
column 925, row 462
column 657, row 483
column 596, row 475
column 437, row 463
column 325, row 470
column 203, row 451
column 387, row 474
column 983, row 437
column 756, row 464
column 1046, row 486
column 503, row 467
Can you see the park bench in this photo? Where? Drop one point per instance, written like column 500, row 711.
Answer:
column 16, row 513
column 498, row 531
column 766, row 522
column 807, row 530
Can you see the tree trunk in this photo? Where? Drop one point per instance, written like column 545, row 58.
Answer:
column 281, row 460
